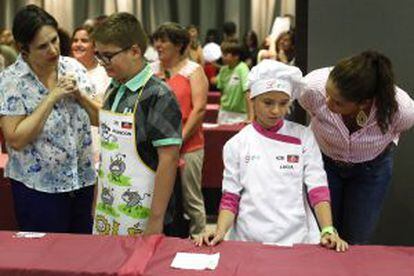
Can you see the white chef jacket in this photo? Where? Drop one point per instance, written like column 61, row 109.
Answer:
column 272, row 176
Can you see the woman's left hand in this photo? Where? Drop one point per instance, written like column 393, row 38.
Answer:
column 333, row 241
column 71, row 84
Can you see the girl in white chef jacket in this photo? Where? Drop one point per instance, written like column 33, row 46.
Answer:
column 274, row 172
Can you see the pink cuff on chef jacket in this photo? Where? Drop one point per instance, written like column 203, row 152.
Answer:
column 318, row 195
column 230, row 201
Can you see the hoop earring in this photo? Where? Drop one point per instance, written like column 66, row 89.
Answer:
column 24, row 54
column 361, row 118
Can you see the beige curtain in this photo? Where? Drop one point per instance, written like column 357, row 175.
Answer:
column 262, row 16
column 263, row 13
column 62, row 11
column 74, row 12
column 288, row 7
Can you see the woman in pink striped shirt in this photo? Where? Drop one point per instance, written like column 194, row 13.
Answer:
column 357, row 116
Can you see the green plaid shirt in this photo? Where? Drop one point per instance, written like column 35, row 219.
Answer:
column 157, row 116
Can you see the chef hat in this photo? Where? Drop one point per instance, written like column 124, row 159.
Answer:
column 211, row 52
column 271, row 75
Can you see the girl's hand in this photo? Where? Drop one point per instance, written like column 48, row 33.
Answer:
column 282, row 57
column 208, row 238
column 333, row 241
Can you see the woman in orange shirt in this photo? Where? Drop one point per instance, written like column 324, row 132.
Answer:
column 190, row 85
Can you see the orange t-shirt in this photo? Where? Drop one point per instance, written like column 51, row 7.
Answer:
column 180, row 85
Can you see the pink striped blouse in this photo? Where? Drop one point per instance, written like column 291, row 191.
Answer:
column 333, row 136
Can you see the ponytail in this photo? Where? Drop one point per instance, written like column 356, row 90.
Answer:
column 385, row 100
column 368, row 75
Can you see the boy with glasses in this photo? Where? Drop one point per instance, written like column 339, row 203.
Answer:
column 140, row 126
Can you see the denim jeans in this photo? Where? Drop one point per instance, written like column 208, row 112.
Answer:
column 358, row 192
column 68, row 212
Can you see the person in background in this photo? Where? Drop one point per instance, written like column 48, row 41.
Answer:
column 65, row 42
column 7, row 47
column 83, row 50
column 9, row 54
column 2, row 63
column 232, row 82
column 250, row 48
column 229, row 32
column 46, row 129
column 212, row 55
column 151, row 54
column 140, row 127
column 212, row 35
column 281, row 49
column 211, row 49
column 189, row 84
column 6, row 38
column 96, row 21
column 195, row 51
column 357, row 114
column 273, row 172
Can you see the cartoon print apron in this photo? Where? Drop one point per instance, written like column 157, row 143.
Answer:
column 125, row 183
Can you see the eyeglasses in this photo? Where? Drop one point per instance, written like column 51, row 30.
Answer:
column 106, row 58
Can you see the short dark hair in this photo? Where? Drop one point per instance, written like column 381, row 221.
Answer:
column 229, row 28
column 232, row 47
column 28, row 21
column 121, row 29
column 65, row 42
column 251, row 35
column 175, row 33
column 212, row 35
column 368, row 75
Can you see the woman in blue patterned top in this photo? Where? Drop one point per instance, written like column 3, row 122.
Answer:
column 47, row 131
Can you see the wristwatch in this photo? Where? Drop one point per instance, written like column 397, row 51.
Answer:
column 328, row 230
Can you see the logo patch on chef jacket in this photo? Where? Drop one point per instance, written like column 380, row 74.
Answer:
column 249, row 158
column 291, row 158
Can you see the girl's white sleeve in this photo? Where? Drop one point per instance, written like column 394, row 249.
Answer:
column 231, row 159
column 315, row 178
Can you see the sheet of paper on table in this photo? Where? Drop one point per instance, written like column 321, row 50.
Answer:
column 29, row 235
column 196, row 261
column 210, row 125
column 284, row 244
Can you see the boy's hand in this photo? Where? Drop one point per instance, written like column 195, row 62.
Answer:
column 154, row 226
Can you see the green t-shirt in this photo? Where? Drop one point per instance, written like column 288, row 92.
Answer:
column 232, row 83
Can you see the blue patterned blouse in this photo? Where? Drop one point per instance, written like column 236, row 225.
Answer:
column 60, row 158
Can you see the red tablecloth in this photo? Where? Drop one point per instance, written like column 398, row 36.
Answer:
column 213, row 97
column 242, row 258
column 211, row 113
column 64, row 254
column 215, row 138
